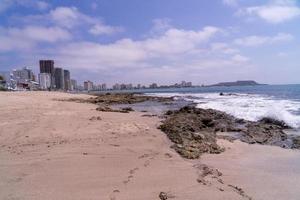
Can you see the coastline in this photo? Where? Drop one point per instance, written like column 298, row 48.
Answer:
column 61, row 150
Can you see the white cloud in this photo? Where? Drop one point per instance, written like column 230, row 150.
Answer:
column 102, row 29
column 14, row 39
column 224, row 48
column 282, row 54
column 179, row 41
column 160, row 25
column 40, row 34
column 239, row 58
column 7, row 4
column 277, row 11
column 42, row 5
column 66, row 16
column 262, row 40
column 174, row 43
column 70, row 17
column 232, row 3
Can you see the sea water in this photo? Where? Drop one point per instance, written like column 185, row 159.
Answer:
column 281, row 102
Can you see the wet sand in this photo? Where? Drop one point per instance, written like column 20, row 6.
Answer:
column 264, row 172
column 65, row 150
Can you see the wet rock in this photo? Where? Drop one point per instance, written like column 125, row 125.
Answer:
column 164, row 196
column 264, row 133
column 267, row 120
column 296, row 142
column 124, row 98
column 118, row 98
column 94, row 118
column 193, row 131
column 109, row 109
column 129, row 109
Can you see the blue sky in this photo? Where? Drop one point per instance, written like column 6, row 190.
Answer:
column 163, row 41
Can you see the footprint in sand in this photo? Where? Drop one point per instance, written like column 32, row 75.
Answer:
column 113, row 195
column 130, row 176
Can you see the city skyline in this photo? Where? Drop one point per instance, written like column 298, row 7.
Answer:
column 51, row 77
column 170, row 42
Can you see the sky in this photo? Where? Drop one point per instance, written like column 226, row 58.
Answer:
column 161, row 41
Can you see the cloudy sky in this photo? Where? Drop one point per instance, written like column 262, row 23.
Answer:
column 163, row 41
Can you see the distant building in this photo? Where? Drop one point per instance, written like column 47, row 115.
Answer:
column 116, row 86
column 74, row 84
column 7, row 79
column 185, row 84
column 67, row 80
column 103, row 86
column 23, row 75
column 153, row 85
column 22, row 79
column 47, row 66
column 59, row 79
column 88, row 85
column 45, row 81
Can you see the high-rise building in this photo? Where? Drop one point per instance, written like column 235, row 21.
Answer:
column 59, row 79
column 103, row 86
column 45, row 81
column 73, row 84
column 116, row 86
column 153, row 85
column 24, row 74
column 47, row 66
column 88, row 85
column 67, row 80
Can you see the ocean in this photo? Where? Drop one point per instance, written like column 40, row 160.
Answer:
column 281, row 102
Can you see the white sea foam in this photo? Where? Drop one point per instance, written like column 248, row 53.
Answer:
column 247, row 106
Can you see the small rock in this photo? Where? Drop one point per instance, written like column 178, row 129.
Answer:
column 163, row 196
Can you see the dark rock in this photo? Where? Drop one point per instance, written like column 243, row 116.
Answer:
column 193, row 131
column 109, row 109
column 119, row 98
column 129, row 109
column 163, row 196
column 296, row 142
column 267, row 120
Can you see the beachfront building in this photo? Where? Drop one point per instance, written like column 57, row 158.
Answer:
column 74, row 84
column 47, row 66
column 153, row 85
column 59, row 79
column 117, row 86
column 185, row 84
column 88, row 85
column 23, row 79
column 7, row 80
column 45, row 81
column 103, row 86
column 67, row 79
column 24, row 74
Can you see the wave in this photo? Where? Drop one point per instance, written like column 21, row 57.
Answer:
column 251, row 107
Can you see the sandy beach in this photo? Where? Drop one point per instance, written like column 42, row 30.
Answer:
column 53, row 149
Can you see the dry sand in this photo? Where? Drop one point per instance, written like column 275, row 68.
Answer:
column 54, row 150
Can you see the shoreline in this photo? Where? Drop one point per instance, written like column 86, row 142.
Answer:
column 59, row 147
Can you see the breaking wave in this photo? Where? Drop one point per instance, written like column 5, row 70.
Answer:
column 251, row 107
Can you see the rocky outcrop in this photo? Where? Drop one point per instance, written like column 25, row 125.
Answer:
column 124, row 98
column 194, row 131
column 109, row 109
column 105, row 101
